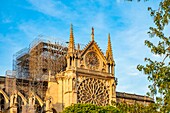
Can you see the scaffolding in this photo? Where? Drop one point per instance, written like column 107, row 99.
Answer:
column 45, row 56
column 10, row 81
column 32, row 65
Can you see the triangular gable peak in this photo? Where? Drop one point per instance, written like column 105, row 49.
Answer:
column 93, row 58
column 93, row 46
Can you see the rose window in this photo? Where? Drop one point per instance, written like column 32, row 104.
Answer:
column 93, row 91
column 92, row 60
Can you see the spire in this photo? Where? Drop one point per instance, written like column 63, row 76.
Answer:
column 109, row 55
column 71, row 41
column 92, row 34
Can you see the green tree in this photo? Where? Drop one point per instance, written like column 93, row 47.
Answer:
column 136, row 108
column 115, row 108
column 159, row 71
column 90, row 108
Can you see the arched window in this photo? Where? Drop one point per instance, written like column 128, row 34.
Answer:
column 109, row 68
column 70, row 61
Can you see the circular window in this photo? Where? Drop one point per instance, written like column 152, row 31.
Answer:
column 93, row 91
column 92, row 60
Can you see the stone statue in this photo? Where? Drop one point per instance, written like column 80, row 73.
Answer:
column 49, row 104
column 31, row 99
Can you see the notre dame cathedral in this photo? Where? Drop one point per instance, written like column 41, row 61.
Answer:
column 49, row 76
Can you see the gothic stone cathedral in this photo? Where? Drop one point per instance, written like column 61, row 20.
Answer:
column 49, row 77
column 88, row 78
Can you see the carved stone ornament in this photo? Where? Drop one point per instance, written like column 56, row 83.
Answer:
column 92, row 60
column 93, row 91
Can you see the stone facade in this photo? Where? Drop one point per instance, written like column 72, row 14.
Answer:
column 88, row 78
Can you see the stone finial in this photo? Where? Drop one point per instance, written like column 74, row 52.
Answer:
column 92, row 34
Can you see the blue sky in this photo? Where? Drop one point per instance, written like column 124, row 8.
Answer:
column 21, row 21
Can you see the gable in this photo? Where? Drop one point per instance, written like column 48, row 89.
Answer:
column 93, row 58
column 92, row 46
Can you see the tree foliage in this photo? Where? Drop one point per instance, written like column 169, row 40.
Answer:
column 90, row 108
column 115, row 108
column 136, row 108
column 159, row 71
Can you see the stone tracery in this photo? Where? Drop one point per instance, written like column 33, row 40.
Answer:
column 93, row 91
column 92, row 60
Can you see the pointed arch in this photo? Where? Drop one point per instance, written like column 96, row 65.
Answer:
column 5, row 96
